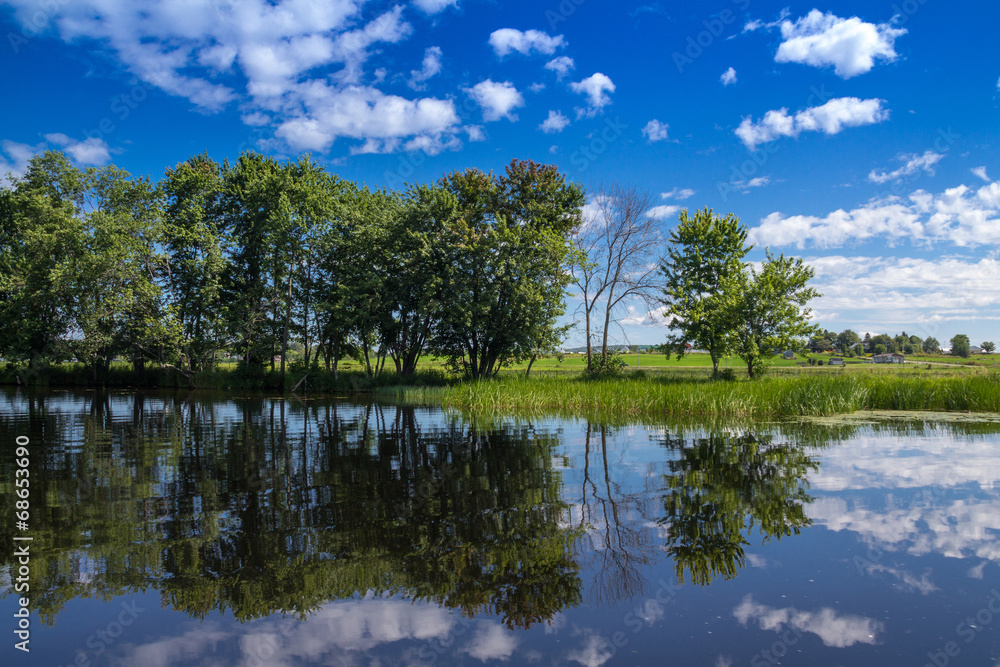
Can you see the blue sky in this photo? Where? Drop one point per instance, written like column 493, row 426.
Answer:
column 859, row 135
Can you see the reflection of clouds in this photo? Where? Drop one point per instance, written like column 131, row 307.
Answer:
column 332, row 633
column 837, row 630
column 491, row 642
column 199, row 641
column 756, row 560
column 594, row 652
column 882, row 461
column 977, row 571
column 960, row 529
column 907, row 581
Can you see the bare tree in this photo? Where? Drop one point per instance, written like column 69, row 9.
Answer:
column 617, row 247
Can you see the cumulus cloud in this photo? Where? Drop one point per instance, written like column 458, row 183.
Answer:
column 506, row 40
column 430, row 68
column 829, row 118
column 728, row 77
column 304, row 64
column 556, row 122
column 88, row 152
column 678, row 193
column 434, row 6
column 596, row 88
column 912, row 164
column 850, row 45
column 561, row 65
column 961, row 216
column 661, row 212
column 834, row 629
column 498, row 100
column 981, row 173
column 655, row 131
column 14, row 156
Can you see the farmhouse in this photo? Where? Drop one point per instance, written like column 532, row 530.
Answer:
column 890, row 358
column 836, row 361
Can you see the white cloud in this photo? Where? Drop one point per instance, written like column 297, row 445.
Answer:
column 430, row 68
column 834, row 629
column 497, row 100
column 728, row 77
column 435, row 6
column 364, row 113
column 594, row 652
column 655, row 131
column 92, row 151
column 536, row 87
column 661, row 212
column 678, row 193
column 556, row 122
column 506, row 40
column 912, row 164
column 596, row 87
column 961, row 216
column 561, row 65
column 14, row 158
column 850, row 45
column 981, row 173
column 830, row 118
column 304, row 63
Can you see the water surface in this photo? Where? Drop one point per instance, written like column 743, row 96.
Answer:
column 177, row 529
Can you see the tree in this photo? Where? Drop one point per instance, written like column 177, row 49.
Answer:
column 932, row 345
column 41, row 246
column 847, row 339
column 196, row 249
column 988, row 347
column 880, row 348
column 771, row 312
column 615, row 247
column 705, row 257
column 960, row 346
column 509, row 243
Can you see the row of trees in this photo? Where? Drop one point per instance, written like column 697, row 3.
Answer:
column 848, row 342
column 239, row 259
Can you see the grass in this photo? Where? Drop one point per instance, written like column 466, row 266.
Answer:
column 638, row 396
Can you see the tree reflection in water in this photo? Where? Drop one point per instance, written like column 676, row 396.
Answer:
column 260, row 506
column 718, row 488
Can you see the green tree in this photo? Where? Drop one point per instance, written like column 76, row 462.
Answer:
column 42, row 245
column 847, row 339
column 879, row 348
column 988, row 347
column 508, row 239
column 932, row 345
column 960, row 346
column 704, row 259
column 771, row 312
column 196, row 249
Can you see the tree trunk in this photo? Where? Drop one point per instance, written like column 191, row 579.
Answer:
column 530, row 364
column 607, row 323
column 589, row 353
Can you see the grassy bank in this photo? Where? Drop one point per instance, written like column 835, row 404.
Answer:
column 769, row 397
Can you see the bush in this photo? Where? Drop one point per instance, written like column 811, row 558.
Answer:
column 601, row 366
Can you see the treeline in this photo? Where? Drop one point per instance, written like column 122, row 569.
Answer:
column 218, row 261
column 850, row 344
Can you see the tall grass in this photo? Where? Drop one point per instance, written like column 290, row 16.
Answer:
column 818, row 395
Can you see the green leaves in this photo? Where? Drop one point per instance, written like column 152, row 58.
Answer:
column 717, row 302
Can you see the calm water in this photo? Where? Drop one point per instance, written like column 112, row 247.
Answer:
column 189, row 530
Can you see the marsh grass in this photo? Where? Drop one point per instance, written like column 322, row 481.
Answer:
column 809, row 395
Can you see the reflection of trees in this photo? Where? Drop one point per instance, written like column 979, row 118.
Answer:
column 619, row 545
column 719, row 488
column 261, row 506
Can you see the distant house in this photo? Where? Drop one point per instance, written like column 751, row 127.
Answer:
column 788, row 354
column 836, row 361
column 889, row 358
column 975, row 349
